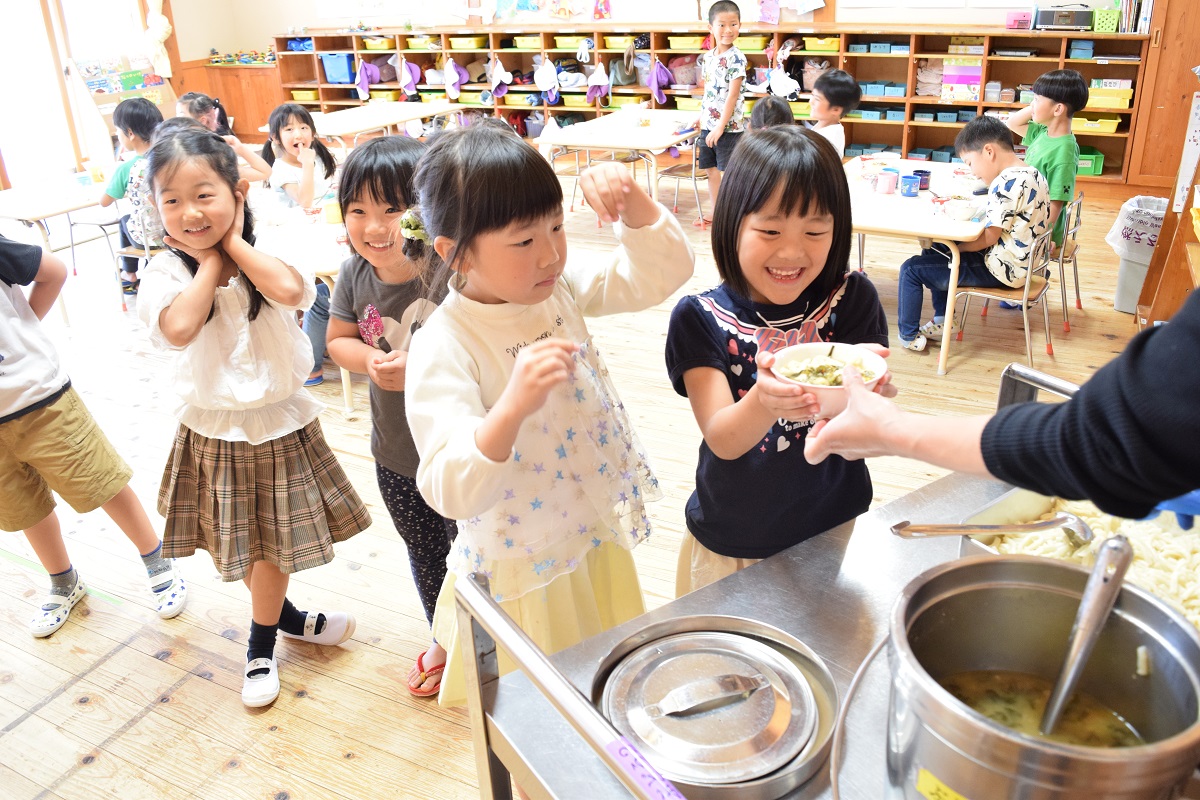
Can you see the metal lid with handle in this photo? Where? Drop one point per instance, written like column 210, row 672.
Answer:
column 711, row 708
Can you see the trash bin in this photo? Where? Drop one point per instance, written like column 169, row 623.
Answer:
column 1132, row 237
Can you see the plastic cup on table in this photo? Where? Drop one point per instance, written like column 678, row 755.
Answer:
column 887, row 182
column 313, row 214
column 923, row 174
column 333, row 214
column 910, row 185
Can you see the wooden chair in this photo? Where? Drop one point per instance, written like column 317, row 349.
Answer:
column 1072, row 222
column 1034, row 291
column 691, row 172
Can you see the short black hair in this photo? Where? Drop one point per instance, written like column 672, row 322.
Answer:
column 174, row 125
column 808, row 171
column 839, row 89
column 770, row 111
column 723, row 7
column 983, row 130
column 138, row 116
column 1064, row 86
column 474, row 180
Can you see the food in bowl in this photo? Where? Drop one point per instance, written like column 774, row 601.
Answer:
column 960, row 209
column 1017, row 700
column 818, row 366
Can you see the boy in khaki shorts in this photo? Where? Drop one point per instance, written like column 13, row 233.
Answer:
column 49, row 441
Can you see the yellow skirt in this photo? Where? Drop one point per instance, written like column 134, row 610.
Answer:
column 602, row 592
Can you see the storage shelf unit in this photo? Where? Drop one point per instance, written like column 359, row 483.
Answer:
column 1118, row 56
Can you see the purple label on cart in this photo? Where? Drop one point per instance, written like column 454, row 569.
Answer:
column 635, row 765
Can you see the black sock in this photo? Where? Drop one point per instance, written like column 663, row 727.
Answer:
column 262, row 644
column 291, row 620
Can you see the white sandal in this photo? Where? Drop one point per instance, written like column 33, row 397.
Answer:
column 54, row 609
column 170, row 601
column 260, row 690
column 339, row 626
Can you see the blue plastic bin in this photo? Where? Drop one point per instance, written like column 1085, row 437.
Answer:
column 339, row 67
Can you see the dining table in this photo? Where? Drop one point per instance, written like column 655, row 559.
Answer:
column 922, row 217
column 642, row 131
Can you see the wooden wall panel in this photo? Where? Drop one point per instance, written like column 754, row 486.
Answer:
column 249, row 94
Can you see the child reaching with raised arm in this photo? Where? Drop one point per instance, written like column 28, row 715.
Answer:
column 378, row 302
column 250, row 478
column 293, row 153
column 135, row 121
column 49, row 441
column 781, row 240
column 520, row 433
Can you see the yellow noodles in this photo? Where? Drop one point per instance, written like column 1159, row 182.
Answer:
column 1166, row 558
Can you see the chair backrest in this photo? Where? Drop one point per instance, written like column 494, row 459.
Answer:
column 1039, row 256
column 1074, row 217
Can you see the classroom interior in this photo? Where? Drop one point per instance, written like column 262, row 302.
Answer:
column 119, row 703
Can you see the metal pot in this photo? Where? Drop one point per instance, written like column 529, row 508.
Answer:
column 1015, row 613
column 722, row 706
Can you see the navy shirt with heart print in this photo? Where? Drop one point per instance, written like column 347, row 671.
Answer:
column 770, row 498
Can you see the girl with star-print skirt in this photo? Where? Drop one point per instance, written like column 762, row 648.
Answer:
column 520, row 433
column 781, row 240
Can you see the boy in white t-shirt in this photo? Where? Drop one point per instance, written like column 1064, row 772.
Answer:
column 49, row 441
column 835, row 94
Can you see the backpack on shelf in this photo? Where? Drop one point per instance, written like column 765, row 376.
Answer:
column 684, row 69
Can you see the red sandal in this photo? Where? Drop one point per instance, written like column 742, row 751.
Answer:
column 424, row 675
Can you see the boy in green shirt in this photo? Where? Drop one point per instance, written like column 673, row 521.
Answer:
column 135, row 121
column 1045, row 129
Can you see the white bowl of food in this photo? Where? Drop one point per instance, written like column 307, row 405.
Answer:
column 817, row 366
column 961, row 209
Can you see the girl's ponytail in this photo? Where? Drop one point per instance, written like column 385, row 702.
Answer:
column 222, row 117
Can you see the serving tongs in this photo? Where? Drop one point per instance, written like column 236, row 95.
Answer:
column 1078, row 532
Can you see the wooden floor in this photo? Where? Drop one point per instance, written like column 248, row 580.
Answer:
column 118, row 703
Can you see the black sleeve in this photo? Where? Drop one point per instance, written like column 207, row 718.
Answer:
column 692, row 341
column 19, row 262
column 859, row 316
column 1129, row 439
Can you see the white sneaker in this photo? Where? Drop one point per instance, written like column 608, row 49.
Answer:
column 339, row 626
column 54, row 609
column 933, row 330
column 917, row 344
column 260, row 690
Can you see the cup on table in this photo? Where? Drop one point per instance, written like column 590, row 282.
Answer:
column 333, row 214
column 886, row 184
column 313, row 214
column 84, row 178
column 923, row 174
column 910, row 185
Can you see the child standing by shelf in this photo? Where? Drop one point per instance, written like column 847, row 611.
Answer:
column 1018, row 212
column 293, row 152
column 722, row 111
column 250, row 478
column 521, row 435
column 49, row 441
column 378, row 303
column 835, row 94
column 1050, row 146
column 781, row 240
column 135, row 121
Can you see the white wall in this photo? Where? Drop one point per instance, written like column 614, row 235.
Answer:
column 204, row 24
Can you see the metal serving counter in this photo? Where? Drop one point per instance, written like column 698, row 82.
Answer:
column 833, row 592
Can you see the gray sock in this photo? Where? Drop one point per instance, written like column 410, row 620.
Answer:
column 63, row 583
column 157, row 565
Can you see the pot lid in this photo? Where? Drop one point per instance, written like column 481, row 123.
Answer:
column 711, row 707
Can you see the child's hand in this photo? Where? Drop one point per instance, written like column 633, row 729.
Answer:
column 306, row 156
column 859, row 431
column 611, row 190
column 234, row 142
column 209, row 256
column 711, row 139
column 233, row 237
column 386, row 370
column 784, row 399
column 540, row 367
column 885, row 387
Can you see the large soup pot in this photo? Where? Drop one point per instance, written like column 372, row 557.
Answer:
column 724, row 707
column 1015, row 613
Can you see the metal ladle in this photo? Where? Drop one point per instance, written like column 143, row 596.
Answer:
column 1078, row 532
column 1099, row 595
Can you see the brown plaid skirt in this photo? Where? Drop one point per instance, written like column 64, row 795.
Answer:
column 285, row 501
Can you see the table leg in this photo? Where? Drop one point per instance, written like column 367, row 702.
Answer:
column 652, row 167
column 951, row 291
column 347, row 387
